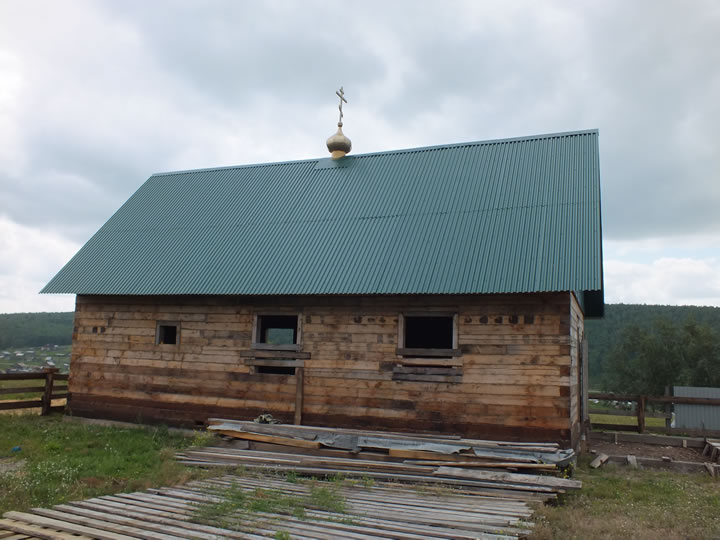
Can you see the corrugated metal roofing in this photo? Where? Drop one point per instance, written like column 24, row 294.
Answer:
column 512, row 215
column 705, row 417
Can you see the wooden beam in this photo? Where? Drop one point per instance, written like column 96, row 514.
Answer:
column 275, row 354
column 641, row 414
column 271, row 347
column 20, row 376
column 299, row 392
column 11, row 405
column 273, row 362
column 47, row 396
column 428, row 352
column 21, row 390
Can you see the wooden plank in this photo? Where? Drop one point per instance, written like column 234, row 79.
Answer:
column 21, row 390
column 132, row 521
column 299, row 393
column 450, row 362
column 516, row 478
column 26, row 530
column 428, row 352
column 21, row 376
column 271, row 347
column 103, row 524
column 12, row 405
column 599, row 461
column 300, row 355
column 62, row 525
column 487, row 464
column 273, row 362
column 283, row 441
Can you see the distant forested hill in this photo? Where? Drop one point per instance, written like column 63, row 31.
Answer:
column 35, row 329
column 603, row 334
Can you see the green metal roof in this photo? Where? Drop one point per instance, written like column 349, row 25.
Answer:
column 512, row 215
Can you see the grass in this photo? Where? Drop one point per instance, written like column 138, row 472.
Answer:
column 35, row 383
column 625, row 420
column 60, row 461
column 240, row 509
column 619, row 502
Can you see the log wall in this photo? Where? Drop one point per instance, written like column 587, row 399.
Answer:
column 515, row 376
column 577, row 334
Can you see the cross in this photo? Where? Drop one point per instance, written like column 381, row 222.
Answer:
column 340, row 93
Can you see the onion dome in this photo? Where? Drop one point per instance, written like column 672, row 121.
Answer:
column 339, row 144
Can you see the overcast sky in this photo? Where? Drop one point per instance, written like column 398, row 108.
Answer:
column 95, row 96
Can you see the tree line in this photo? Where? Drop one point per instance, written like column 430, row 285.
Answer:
column 643, row 349
column 35, row 329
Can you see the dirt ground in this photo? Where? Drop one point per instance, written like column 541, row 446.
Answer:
column 676, row 453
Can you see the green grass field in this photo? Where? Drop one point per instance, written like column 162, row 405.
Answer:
column 618, row 502
column 60, row 461
column 625, row 420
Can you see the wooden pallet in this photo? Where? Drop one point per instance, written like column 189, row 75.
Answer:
column 373, row 512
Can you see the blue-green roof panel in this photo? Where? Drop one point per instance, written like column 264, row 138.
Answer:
column 513, row 215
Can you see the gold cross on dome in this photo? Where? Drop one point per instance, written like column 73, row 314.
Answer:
column 341, row 94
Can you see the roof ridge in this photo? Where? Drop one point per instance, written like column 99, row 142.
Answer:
column 399, row 151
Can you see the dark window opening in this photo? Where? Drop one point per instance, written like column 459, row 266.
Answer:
column 275, row 370
column 94, row 329
column 429, row 332
column 277, row 329
column 167, row 334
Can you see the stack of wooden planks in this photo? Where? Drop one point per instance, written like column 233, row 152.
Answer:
column 370, row 512
column 487, row 466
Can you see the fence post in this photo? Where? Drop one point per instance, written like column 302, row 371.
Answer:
column 641, row 413
column 47, row 395
column 668, row 408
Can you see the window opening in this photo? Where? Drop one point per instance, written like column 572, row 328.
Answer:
column 277, row 329
column 167, row 334
column 431, row 332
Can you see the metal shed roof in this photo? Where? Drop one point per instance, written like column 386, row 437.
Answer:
column 503, row 216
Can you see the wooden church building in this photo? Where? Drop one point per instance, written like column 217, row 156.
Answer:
column 437, row 289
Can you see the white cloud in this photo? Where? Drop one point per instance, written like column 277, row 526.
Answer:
column 671, row 281
column 28, row 260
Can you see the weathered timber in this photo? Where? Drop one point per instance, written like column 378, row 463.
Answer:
column 599, row 461
column 517, row 379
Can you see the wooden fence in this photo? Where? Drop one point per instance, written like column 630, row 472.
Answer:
column 46, row 392
column 640, row 411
